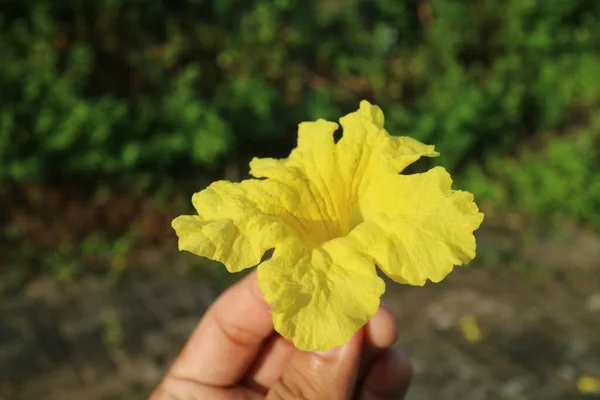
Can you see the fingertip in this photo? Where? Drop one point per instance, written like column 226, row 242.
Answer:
column 251, row 281
column 381, row 331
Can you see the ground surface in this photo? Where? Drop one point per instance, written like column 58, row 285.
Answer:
column 537, row 333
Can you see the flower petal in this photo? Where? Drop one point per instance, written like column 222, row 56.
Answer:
column 303, row 198
column 371, row 146
column 332, row 175
column 239, row 222
column 417, row 227
column 320, row 297
column 311, row 169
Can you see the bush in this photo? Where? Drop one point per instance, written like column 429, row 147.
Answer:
column 116, row 87
column 558, row 180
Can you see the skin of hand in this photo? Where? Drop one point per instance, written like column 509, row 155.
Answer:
column 234, row 353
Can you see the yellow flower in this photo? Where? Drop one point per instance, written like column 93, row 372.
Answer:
column 333, row 212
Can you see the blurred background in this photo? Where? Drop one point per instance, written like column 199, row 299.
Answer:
column 113, row 112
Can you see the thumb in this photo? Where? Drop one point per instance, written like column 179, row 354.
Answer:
column 327, row 375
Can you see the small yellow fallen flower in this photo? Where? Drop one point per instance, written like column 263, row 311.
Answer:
column 333, row 212
column 470, row 329
column 588, row 384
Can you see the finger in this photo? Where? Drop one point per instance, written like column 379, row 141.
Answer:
column 321, row 375
column 271, row 363
column 173, row 389
column 380, row 333
column 388, row 378
column 228, row 338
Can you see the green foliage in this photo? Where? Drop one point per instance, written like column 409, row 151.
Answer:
column 68, row 262
column 561, row 180
column 505, row 89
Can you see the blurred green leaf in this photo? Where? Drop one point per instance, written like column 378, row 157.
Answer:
column 507, row 91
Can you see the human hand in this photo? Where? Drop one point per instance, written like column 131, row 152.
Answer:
column 234, row 353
